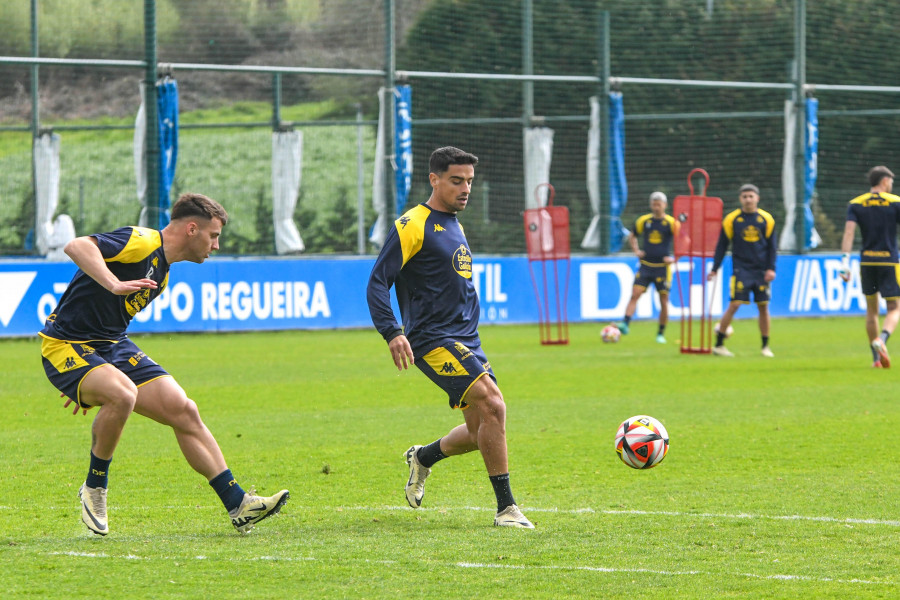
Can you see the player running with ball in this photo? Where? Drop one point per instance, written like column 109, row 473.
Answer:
column 426, row 259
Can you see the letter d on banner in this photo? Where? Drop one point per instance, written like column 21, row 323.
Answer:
column 403, row 144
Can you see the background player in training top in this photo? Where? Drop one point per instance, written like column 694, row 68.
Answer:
column 751, row 233
column 877, row 214
column 656, row 231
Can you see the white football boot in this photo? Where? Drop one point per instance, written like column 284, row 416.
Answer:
column 415, row 487
column 93, row 508
column 511, row 516
column 254, row 509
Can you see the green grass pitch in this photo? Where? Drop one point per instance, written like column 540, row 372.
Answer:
column 782, row 479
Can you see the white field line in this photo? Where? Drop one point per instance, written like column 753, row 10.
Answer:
column 468, row 565
column 465, row 565
column 529, row 509
column 664, row 513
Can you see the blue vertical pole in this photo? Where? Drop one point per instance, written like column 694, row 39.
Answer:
column 810, row 169
column 605, row 73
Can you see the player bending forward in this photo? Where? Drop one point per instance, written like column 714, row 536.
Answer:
column 89, row 358
column 427, row 260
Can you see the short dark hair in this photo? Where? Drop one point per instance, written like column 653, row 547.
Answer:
column 876, row 174
column 191, row 205
column 442, row 158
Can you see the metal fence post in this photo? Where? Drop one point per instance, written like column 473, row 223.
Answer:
column 154, row 211
column 35, row 108
column 527, row 66
column 800, row 144
column 360, row 192
column 276, row 101
column 390, row 66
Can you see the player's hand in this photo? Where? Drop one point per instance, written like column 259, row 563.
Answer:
column 640, row 254
column 70, row 401
column 401, row 352
column 769, row 275
column 712, row 275
column 845, row 267
column 123, row 288
column 668, row 259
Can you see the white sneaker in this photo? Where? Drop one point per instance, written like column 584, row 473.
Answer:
column 722, row 351
column 511, row 516
column 415, row 487
column 254, row 509
column 767, row 352
column 93, row 508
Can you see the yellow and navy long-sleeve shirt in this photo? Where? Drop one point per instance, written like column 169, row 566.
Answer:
column 752, row 236
column 89, row 312
column 427, row 260
column 656, row 237
column 877, row 215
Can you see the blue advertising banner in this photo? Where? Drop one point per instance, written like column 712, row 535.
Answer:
column 270, row 294
column 167, row 111
column 403, row 144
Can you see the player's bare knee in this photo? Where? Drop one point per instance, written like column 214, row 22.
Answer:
column 121, row 396
column 493, row 409
column 187, row 416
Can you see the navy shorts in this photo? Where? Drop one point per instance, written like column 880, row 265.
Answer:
column 661, row 277
column 744, row 283
column 67, row 363
column 454, row 367
column 880, row 279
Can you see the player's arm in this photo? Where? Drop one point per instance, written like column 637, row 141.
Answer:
column 675, row 228
column 771, row 253
column 85, row 253
column 633, row 233
column 378, row 296
column 721, row 249
column 632, row 241
column 846, row 247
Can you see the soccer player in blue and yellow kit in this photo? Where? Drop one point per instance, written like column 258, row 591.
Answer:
column 877, row 214
column 88, row 356
column 427, row 260
column 751, row 233
column 656, row 230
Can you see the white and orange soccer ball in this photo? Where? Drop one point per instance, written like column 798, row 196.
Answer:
column 642, row 442
column 610, row 334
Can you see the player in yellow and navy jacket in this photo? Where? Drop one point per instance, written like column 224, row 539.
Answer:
column 877, row 214
column 751, row 233
column 88, row 356
column 656, row 231
column 426, row 259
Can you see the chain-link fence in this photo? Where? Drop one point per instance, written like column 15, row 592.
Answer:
column 736, row 134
